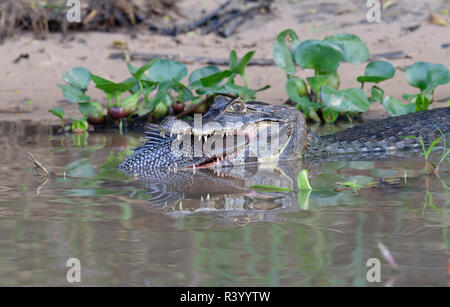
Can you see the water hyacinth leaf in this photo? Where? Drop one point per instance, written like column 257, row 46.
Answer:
column 330, row 79
column 283, row 55
column 422, row 102
column 322, row 56
column 233, row 60
column 163, row 91
column 78, row 77
column 427, row 76
column 79, row 125
column 348, row 100
column 196, row 75
column 138, row 74
column 377, row 71
column 111, row 87
column 130, row 103
column 243, row 92
column 240, row 67
column 131, row 68
column 308, row 108
column 73, row 94
column 57, row 111
column 92, row 108
column 166, row 70
column 216, row 78
column 203, row 72
column 316, row 82
column 329, row 115
column 82, row 168
column 353, row 48
column 376, row 94
column 397, row 108
column 303, row 181
column 296, row 87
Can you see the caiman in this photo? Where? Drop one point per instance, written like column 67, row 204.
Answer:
column 234, row 132
column 219, row 178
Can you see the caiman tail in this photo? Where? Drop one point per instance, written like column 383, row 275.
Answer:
column 384, row 135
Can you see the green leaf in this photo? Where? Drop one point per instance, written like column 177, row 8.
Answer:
column 353, row 48
column 422, row 102
column 79, row 125
column 130, row 104
column 203, row 72
column 303, row 181
column 92, row 108
column 57, row 111
column 244, row 92
column 213, row 79
column 140, row 72
column 316, row 82
column 330, row 79
column 329, row 115
column 296, row 87
column 163, row 91
column 166, row 70
column 233, row 60
column 322, row 56
column 427, row 76
column 348, row 100
column 377, row 71
column 396, row 108
column 376, row 94
column 432, row 145
column 284, row 55
column 78, row 77
column 73, row 94
column 269, row 188
column 113, row 88
column 240, row 68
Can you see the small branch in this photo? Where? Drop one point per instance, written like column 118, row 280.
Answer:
column 39, row 165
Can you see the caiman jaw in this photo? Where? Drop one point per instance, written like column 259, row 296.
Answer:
column 233, row 144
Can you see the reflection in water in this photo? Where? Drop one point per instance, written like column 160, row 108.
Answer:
column 209, row 230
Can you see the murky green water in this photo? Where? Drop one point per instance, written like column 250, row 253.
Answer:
column 219, row 233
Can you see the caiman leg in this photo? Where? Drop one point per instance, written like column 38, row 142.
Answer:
column 384, row 135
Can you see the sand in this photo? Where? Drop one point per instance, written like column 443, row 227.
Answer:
column 28, row 88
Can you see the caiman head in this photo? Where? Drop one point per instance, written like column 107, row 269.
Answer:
column 232, row 132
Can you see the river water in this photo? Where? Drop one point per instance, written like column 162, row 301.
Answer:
column 214, row 230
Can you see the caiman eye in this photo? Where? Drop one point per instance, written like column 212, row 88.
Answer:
column 238, row 106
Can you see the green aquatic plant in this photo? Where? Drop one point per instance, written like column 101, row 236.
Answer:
column 324, row 57
column 432, row 147
column 324, row 100
column 424, row 76
column 155, row 89
column 58, row 112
